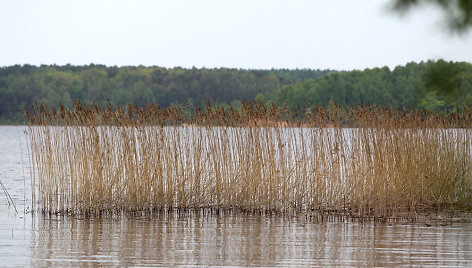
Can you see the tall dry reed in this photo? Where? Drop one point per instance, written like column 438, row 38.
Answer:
column 362, row 162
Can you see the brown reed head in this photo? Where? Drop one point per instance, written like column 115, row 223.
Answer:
column 362, row 162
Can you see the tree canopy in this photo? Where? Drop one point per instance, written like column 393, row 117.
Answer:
column 431, row 85
column 458, row 13
column 21, row 86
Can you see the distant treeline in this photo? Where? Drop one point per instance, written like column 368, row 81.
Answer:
column 432, row 85
column 21, row 86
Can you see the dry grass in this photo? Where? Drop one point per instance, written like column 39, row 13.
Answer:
column 363, row 162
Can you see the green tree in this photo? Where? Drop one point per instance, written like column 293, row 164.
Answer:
column 431, row 102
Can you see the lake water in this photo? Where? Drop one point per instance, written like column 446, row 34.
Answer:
column 204, row 240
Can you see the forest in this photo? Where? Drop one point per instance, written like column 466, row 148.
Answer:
column 432, row 85
column 21, row 86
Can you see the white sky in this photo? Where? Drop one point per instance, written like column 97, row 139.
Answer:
column 263, row 34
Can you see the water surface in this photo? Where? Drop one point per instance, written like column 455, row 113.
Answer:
column 203, row 240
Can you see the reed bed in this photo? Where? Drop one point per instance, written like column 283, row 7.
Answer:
column 361, row 162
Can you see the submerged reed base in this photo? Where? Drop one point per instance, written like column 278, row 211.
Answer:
column 359, row 163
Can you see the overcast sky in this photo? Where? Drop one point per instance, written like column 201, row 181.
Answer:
column 262, row 34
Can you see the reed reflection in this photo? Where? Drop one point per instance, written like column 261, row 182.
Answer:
column 170, row 240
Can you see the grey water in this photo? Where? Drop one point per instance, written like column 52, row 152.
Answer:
column 28, row 239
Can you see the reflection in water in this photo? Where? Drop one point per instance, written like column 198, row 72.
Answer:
column 243, row 241
column 208, row 240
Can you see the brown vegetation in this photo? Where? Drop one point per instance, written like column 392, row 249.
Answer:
column 363, row 162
